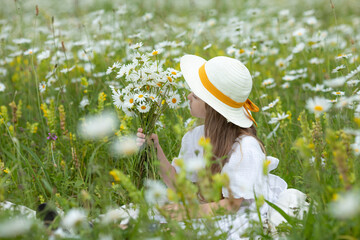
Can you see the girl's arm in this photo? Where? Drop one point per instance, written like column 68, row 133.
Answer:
column 167, row 171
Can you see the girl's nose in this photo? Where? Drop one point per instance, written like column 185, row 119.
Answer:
column 189, row 96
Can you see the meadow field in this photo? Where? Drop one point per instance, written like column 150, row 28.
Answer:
column 72, row 78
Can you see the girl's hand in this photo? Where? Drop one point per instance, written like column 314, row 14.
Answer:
column 176, row 211
column 141, row 138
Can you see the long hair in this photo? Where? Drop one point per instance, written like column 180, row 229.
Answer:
column 223, row 135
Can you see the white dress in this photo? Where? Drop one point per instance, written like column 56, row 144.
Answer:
column 246, row 175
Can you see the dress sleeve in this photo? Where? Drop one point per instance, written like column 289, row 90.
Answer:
column 245, row 170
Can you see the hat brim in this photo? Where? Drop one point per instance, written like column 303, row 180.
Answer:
column 189, row 65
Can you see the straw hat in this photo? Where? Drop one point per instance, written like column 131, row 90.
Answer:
column 223, row 83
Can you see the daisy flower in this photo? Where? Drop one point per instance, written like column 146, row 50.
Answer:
column 30, row 51
column 2, row 87
column 278, row 118
column 42, row 86
column 271, row 105
column 173, row 101
column 352, row 83
column 129, row 101
column 267, row 82
column 140, row 97
column 285, row 85
column 335, row 82
column 316, row 60
column 73, row 218
column 298, row 48
column 116, row 95
column 338, row 93
column 299, row 32
column 143, row 108
column 318, row 105
column 356, row 148
column 338, row 68
column 155, row 193
column 43, row 55
column 136, row 45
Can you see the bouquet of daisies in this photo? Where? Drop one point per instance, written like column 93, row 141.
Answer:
column 145, row 90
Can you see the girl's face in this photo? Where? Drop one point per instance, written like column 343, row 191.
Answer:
column 197, row 106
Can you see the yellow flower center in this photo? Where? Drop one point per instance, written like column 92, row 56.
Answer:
column 338, row 93
column 173, row 100
column 141, row 96
column 143, row 107
column 169, row 78
column 318, row 108
column 173, row 73
column 131, row 100
column 155, row 53
column 241, row 51
column 152, row 97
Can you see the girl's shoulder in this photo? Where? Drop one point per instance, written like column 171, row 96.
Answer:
column 246, row 141
column 196, row 132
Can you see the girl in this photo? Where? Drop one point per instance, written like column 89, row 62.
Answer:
column 220, row 89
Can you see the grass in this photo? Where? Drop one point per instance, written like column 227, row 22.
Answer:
column 74, row 172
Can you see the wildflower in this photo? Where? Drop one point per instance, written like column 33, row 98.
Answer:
column 52, row 136
column 311, row 20
column 21, row 40
column 98, row 126
column 343, row 55
column 140, row 97
column 42, row 86
column 116, row 97
column 338, row 68
column 147, row 17
column 318, row 105
column 84, row 102
column 74, row 218
column 285, row 85
column 316, row 60
column 14, row 227
column 356, row 148
column 155, row 192
column 136, row 45
column 173, row 101
column 281, row 63
column 338, row 93
column 125, row 146
column 278, row 118
column 30, row 51
column 195, row 164
column 299, row 32
column 143, row 108
column 43, row 55
column 336, row 82
column 267, row 82
column 155, row 52
column 312, row 161
column 129, row 101
column 2, row 87
column 112, row 68
column 115, row 175
column 66, row 70
column 271, row 105
column 346, row 205
column 124, row 213
column 298, row 48
column 207, row 46
column 350, row 83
